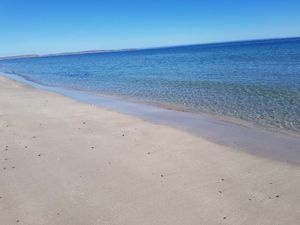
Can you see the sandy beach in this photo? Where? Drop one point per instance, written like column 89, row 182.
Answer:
column 68, row 163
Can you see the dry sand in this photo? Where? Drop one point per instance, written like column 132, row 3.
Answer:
column 68, row 163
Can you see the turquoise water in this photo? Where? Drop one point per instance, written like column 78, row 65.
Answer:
column 254, row 81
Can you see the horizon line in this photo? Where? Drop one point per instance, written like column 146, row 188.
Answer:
column 95, row 51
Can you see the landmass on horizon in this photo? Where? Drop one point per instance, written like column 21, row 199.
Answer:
column 63, row 53
column 135, row 49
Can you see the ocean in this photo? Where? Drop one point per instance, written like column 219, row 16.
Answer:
column 257, row 82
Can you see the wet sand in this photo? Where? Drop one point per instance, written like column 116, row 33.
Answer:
column 69, row 163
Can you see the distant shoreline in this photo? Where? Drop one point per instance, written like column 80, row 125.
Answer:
column 62, row 54
column 137, row 49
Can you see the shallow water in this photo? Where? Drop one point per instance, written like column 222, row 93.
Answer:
column 254, row 81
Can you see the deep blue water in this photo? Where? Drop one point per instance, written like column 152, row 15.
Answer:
column 256, row 81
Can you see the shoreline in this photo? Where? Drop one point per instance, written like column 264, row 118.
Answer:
column 247, row 137
column 64, row 162
column 152, row 104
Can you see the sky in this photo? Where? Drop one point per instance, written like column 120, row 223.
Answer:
column 44, row 26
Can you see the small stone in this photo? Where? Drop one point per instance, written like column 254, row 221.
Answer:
column 39, row 154
column 277, row 196
column 123, row 135
column 222, row 179
column 161, row 175
column 224, row 218
column 220, row 192
column 17, row 221
column 148, row 153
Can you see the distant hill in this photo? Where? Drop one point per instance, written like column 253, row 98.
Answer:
column 19, row 57
column 64, row 53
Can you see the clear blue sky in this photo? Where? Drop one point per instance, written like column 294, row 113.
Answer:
column 28, row 26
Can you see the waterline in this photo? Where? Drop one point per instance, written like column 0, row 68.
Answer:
column 256, row 141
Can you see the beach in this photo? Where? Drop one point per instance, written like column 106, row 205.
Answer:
column 64, row 162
